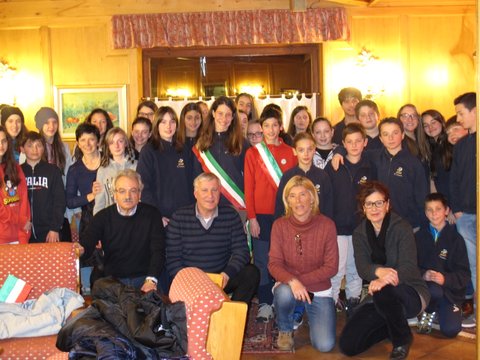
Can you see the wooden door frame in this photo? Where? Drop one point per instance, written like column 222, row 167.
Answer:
column 313, row 51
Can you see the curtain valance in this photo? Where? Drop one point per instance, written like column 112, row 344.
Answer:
column 229, row 28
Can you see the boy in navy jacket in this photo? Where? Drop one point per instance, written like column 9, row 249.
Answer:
column 399, row 170
column 45, row 191
column 443, row 263
column 345, row 183
column 463, row 182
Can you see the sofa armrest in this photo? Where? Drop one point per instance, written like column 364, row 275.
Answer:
column 201, row 297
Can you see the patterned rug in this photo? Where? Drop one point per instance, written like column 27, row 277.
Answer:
column 260, row 338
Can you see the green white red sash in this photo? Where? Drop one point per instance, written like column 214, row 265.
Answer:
column 229, row 189
column 269, row 165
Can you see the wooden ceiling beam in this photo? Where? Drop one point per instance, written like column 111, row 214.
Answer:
column 350, row 2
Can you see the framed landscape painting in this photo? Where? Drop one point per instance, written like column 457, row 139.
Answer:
column 74, row 103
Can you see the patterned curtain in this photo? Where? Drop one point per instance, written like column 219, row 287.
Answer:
column 229, row 28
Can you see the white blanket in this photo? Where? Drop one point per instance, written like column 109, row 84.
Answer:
column 41, row 317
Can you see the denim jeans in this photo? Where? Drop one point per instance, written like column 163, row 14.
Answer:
column 136, row 282
column 321, row 316
column 347, row 268
column 467, row 227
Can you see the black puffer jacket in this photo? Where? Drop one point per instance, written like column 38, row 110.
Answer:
column 123, row 323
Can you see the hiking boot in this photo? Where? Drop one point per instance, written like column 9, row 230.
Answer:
column 298, row 317
column 265, row 313
column 425, row 324
column 350, row 305
column 285, row 341
column 469, row 322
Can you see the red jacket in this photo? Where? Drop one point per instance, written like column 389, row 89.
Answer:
column 14, row 210
column 259, row 191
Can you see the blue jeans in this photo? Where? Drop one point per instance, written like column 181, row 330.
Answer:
column 321, row 316
column 467, row 227
column 136, row 282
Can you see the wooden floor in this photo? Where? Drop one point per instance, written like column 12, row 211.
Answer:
column 431, row 347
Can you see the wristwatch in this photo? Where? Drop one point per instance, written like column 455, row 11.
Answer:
column 152, row 279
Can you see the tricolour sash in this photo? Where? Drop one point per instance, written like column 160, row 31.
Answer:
column 229, row 189
column 269, row 164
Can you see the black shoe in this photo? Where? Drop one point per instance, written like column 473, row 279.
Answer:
column 400, row 352
column 350, row 306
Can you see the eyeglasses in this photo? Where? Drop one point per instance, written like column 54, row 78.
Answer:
column 408, row 116
column 133, row 191
column 298, row 244
column 147, row 115
column 255, row 134
column 377, row 204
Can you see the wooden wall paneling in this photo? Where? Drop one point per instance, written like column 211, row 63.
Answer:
column 22, row 49
column 252, row 74
column 177, row 74
column 71, row 9
column 441, row 62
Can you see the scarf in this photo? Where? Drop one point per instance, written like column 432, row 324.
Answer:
column 377, row 243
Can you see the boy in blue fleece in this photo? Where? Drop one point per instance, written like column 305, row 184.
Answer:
column 443, row 263
column 345, row 183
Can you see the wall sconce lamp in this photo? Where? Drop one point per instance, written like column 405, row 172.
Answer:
column 370, row 77
column 7, row 78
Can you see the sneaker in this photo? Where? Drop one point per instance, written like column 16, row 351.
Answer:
column 412, row 321
column 265, row 313
column 285, row 341
column 469, row 322
column 425, row 324
column 298, row 317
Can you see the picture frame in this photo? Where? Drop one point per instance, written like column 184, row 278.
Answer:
column 74, row 103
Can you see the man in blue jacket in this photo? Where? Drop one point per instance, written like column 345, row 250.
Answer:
column 463, row 181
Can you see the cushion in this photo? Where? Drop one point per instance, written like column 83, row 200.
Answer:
column 44, row 266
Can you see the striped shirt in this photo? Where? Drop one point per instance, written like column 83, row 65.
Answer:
column 220, row 248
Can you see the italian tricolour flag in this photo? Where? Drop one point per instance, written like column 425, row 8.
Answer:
column 14, row 290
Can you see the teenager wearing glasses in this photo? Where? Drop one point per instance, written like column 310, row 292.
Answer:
column 386, row 258
column 303, row 257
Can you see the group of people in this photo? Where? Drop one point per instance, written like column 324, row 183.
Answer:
column 282, row 215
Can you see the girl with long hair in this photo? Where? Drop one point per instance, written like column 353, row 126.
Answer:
column 221, row 149
column 436, row 149
column 14, row 206
column 165, row 166
column 13, row 121
column 57, row 153
column 190, row 123
column 117, row 155
column 300, row 121
column 140, row 135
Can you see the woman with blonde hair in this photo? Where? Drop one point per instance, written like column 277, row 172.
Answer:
column 303, row 257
